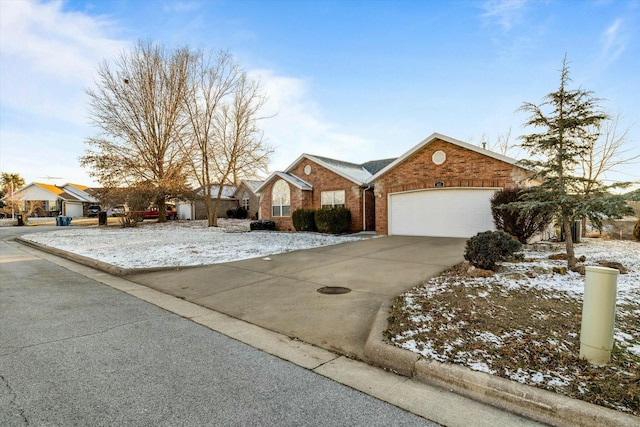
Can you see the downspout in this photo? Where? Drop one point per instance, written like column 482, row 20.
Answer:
column 364, row 208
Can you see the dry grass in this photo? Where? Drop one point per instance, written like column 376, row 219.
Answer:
column 526, row 334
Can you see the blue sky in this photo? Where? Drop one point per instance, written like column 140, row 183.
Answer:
column 353, row 80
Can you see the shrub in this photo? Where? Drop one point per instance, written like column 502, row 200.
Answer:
column 520, row 222
column 304, row 220
column 238, row 213
column 485, row 249
column 262, row 224
column 636, row 231
column 333, row 220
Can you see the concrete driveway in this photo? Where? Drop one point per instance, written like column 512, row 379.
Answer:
column 280, row 292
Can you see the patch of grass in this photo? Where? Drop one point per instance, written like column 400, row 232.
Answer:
column 525, row 334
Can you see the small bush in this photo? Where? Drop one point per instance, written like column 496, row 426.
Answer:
column 333, row 220
column 304, row 220
column 517, row 221
column 262, row 224
column 485, row 249
column 636, row 231
column 238, row 213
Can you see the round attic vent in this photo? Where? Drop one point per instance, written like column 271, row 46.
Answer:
column 307, row 169
column 439, row 157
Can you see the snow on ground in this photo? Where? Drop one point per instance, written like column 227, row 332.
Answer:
column 626, row 252
column 179, row 244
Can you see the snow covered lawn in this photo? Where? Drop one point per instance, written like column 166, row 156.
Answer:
column 523, row 323
column 179, row 243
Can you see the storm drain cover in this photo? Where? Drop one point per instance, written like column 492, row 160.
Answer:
column 333, row 290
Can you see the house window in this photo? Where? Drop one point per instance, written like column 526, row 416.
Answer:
column 280, row 199
column 245, row 200
column 332, row 199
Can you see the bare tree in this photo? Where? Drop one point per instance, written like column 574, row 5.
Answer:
column 212, row 77
column 224, row 142
column 240, row 148
column 138, row 107
column 603, row 155
column 502, row 143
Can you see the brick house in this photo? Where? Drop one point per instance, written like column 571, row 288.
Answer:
column 247, row 197
column 440, row 187
column 243, row 194
column 314, row 182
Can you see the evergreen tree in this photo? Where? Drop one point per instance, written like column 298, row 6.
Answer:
column 566, row 120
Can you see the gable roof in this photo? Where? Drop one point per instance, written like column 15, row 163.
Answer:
column 437, row 136
column 356, row 173
column 49, row 187
column 291, row 179
column 350, row 171
column 253, row 184
column 227, row 191
column 79, row 192
column 67, row 192
column 374, row 166
column 366, row 173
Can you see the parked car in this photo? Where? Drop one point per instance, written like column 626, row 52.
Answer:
column 117, row 211
column 93, row 210
column 153, row 213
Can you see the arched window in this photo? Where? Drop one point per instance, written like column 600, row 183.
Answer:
column 280, row 199
column 245, row 200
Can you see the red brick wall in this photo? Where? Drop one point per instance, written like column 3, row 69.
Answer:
column 462, row 168
column 321, row 179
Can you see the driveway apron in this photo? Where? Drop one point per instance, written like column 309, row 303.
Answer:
column 280, row 292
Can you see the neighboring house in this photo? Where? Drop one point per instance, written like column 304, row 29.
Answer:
column 233, row 196
column 69, row 199
column 314, row 182
column 247, row 197
column 440, row 187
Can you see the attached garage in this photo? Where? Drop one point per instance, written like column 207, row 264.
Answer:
column 72, row 209
column 441, row 212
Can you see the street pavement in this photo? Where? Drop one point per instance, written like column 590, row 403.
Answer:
column 76, row 352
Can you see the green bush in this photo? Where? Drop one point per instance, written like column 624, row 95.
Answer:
column 636, row 231
column 304, row 220
column 518, row 221
column 333, row 220
column 485, row 249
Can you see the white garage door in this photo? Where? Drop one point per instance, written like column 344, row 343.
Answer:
column 73, row 209
column 441, row 212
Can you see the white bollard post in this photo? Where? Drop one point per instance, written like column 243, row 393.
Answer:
column 598, row 314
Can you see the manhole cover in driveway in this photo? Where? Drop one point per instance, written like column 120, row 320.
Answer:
column 333, row 290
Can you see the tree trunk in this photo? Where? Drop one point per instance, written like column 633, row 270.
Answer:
column 571, row 259
column 208, row 205
column 162, row 210
column 584, row 226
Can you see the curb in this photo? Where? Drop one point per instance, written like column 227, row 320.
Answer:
column 534, row 403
